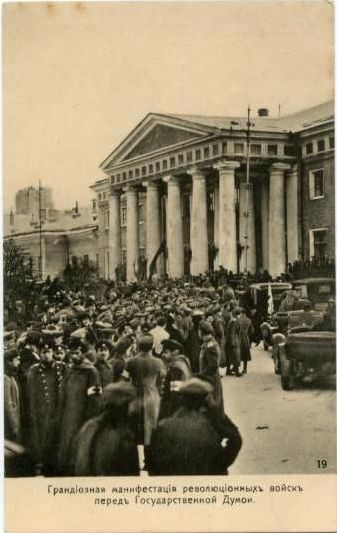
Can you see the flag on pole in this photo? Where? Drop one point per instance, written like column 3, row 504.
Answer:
column 270, row 300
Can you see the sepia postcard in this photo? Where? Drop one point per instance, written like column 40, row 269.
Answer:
column 169, row 310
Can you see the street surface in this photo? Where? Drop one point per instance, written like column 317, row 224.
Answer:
column 297, row 428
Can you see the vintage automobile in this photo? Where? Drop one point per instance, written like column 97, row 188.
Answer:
column 319, row 293
column 259, row 293
column 318, row 290
column 259, row 297
column 306, row 353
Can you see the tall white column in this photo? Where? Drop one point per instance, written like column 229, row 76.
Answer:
column 216, row 223
column 265, row 221
column 153, row 226
column 132, row 236
column 199, row 237
column 247, row 228
column 174, row 228
column 292, row 214
column 227, row 221
column 101, row 241
column 114, row 233
column 277, row 238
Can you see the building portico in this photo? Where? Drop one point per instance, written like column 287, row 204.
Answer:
column 196, row 203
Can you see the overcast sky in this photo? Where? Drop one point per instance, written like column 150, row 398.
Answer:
column 79, row 77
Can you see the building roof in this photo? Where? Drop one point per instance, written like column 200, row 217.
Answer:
column 201, row 126
column 293, row 122
column 63, row 221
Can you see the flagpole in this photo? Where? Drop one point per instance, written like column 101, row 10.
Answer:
column 40, row 233
column 246, row 212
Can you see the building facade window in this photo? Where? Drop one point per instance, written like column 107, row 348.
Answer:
column 224, row 148
column 197, row 155
column 316, row 184
column 124, row 176
column 320, row 145
column 143, row 171
column 309, row 148
column 332, row 143
column 150, row 168
column 206, row 153
column 172, row 162
column 289, row 150
column 158, row 166
column 189, row 157
column 238, row 148
column 165, row 164
column 255, row 149
column 137, row 172
column 215, row 149
column 318, row 243
column 272, row 149
column 180, row 159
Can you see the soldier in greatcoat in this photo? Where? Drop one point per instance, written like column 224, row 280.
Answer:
column 246, row 336
column 178, row 370
column 233, row 344
column 81, row 401
column 146, row 373
column 210, row 355
column 45, row 381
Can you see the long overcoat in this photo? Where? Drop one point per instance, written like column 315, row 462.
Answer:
column 246, row 335
column 81, row 401
column 210, row 354
column 233, row 343
column 45, row 390
column 147, row 373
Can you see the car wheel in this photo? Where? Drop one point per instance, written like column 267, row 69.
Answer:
column 287, row 382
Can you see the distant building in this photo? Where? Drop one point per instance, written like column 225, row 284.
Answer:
column 182, row 178
column 27, row 201
column 68, row 235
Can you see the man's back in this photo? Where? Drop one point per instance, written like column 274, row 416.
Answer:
column 186, row 444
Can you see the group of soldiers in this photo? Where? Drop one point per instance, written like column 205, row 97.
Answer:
column 89, row 378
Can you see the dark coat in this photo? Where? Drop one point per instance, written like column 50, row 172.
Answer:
column 147, row 373
column 246, row 336
column 193, row 346
column 189, row 443
column 45, row 390
column 12, row 416
column 79, row 403
column 210, row 355
column 233, row 343
column 103, row 449
column 105, row 372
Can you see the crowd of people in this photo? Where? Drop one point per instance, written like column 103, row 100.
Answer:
column 91, row 377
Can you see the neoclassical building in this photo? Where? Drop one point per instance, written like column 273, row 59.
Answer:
column 182, row 179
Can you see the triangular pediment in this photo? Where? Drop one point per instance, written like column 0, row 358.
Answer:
column 154, row 133
column 161, row 136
